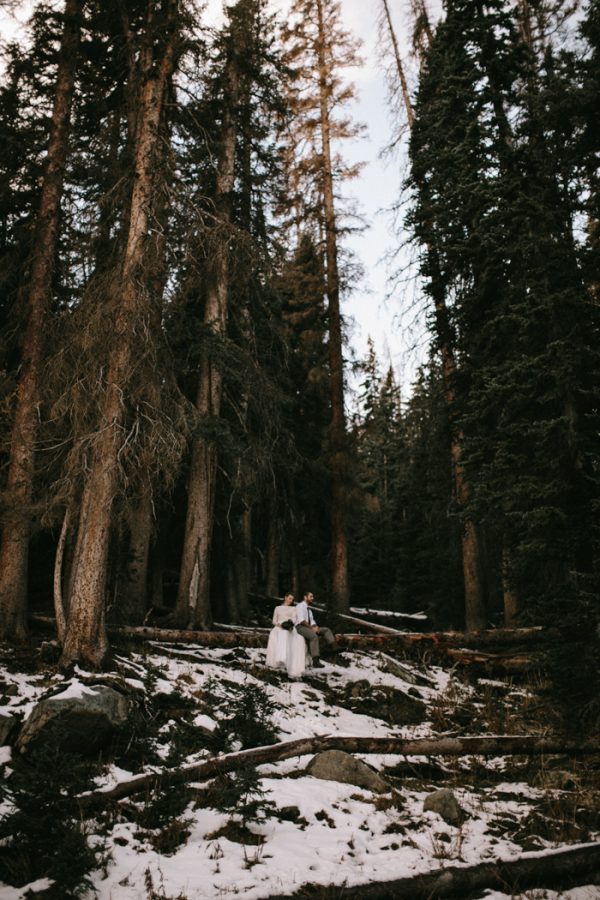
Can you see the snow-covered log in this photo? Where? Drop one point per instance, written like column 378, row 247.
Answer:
column 549, row 869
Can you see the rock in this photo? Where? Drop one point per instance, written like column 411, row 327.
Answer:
column 50, row 652
column 11, row 691
column 445, row 804
column 383, row 701
column 7, row 725
column 335, row 765
column 82, row 718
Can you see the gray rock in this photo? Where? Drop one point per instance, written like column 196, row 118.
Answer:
column 335, row 765
column 81, row 722
column 7, row 725
column 445, row 804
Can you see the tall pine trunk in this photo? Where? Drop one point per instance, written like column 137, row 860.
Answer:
column 193, row 596
column 132, row 582
column 86, row 633
column 272, row 551
column 475, row 615
column 14, row 547
column 337, row 433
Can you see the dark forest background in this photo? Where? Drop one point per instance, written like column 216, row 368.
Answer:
column 175, row 434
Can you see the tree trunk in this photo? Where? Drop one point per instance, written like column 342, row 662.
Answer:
column 338, row 441
column 86, row 639
column 513, row 745
column 193, row 597
column 399, row 66
column 511, row 604
column 132, row 582
column 272, row 550
column 14, row 547
column 59, row 604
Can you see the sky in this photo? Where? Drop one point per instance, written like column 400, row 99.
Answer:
column 389, row 316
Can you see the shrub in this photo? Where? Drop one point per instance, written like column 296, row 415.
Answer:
column 42, row 834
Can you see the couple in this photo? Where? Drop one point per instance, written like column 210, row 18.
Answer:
column 295, row 635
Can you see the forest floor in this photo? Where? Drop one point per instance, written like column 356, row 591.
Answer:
column 286, row 830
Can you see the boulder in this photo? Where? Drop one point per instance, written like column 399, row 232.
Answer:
column 394, row 706
column 7, row 725
column 81, row 718
column 445, row 804
column 335, row 765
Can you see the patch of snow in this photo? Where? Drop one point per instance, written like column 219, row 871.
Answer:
column 74, row 690
column 27, row 891
column 202, row 721
column 5, row 755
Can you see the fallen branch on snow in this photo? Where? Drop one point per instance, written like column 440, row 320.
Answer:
column 560, row 869
column 490, row 745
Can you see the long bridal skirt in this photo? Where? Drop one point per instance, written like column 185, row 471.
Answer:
column 287, row 650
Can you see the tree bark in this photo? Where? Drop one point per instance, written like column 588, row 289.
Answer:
column 238, row 553
column 513, row 745
column 340, row 591
column 86, row 639
column 132, row 583
column 59, row 606
column 193, row 596
column 14, row 546
column 511, row 603
column 272, row 550
column 564, row 868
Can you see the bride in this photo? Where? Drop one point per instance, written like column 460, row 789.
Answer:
column 286, row 648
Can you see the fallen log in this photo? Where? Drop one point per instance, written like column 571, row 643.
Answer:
column 488, row 745
column 498, row 663
column 492, row 661
column 561, row 869
column 175, row 636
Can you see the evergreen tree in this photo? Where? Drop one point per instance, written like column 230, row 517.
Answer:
column 243, row 96
column 85, row 637
column 490, row 162
column 319, row 50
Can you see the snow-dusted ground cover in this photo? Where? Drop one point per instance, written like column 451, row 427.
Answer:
column 316, row 831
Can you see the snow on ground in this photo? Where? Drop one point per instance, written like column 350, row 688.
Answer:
column 322, row 832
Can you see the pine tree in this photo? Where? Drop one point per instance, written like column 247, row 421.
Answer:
column 243, row 95
column 319, row 50
column 445, row 336
column 86, row 637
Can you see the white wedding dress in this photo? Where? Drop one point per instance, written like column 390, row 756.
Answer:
column 286, row 649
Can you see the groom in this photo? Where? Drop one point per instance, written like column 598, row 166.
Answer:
column 310, row 631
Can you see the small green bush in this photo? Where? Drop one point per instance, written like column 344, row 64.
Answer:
column 250, row 720
column 43, row 834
